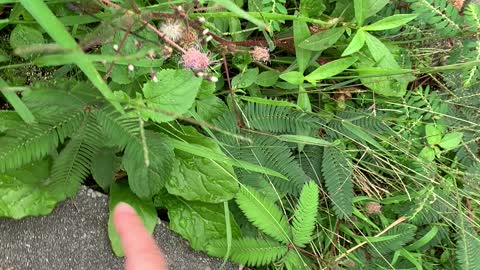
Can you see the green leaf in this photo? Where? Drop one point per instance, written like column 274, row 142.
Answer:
column 427, row 154
column 303, row 140
column 272, row 102
column 434, row 132
column 174, row 92
column 197, row 178
column 300, row 33
column 250, row 251
column 148, row 164
column 52, row 25
column 322, row 40
column 245, row 79
column 361, row 9
column 228, row 4
column 451, row 140
column 305, row 215
column 356, row 44
column 16, row 103
column 330, row 69
column 293, row 77
column 381, row 53
column 205, row 152
column 23, row 36
column 210, row 108
column 390, row 22
column 200, row 223
column 374, row 6
column 104, row 165
column 264, row 214
column 267, row 78
column 120, row 192
column 22, row 192
column 9, row 120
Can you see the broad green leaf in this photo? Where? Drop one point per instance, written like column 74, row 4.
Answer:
column 148, row 165
column 361, row 9
column 330, row 69
column 197, row 178
column 303, row 100
column 427, row 154
column 390, row 22
column 312, row 8
column 451, row 140
column 174, row 92
column 356, row 44
column 433, row 133
column 375, row 6
column 322, row 40
column 293, row 77
column 380, row 53
column 23, row 193
column 23, row 36
column 210, row 108
column 199, row 223
column 300, row 33
column 267, row 78
column 303, row 140
column 120, row 192
column 207, row 88
column 4, row 57
column 104, row 165
column 273, row 102
column 245, row 79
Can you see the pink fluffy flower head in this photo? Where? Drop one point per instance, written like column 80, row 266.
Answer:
column 194, row 59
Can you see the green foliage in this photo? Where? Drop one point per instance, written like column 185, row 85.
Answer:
column 337, row 172
column 279, row 134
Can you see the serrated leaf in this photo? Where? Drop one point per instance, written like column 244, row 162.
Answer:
column 264, row 214
column 22, row 192
column 305, row 215
column 210, row 108
column 322, row 40
column 174, row 93
column 147, row 178
column 104, row 165
column 330, row 69
column 451, row 140
column 356, row 44
column 199, row 223
column 390, row 22
column 120, row 192
column 199, row 179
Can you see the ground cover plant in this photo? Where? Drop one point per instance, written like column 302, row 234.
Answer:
column 279, row 134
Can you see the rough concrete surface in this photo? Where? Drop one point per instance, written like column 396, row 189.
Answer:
column 74, row 236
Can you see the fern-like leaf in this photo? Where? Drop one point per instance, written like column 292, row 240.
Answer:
column 400, row 236
column 119, row 129
column 305, row 215
column 72, row 165
column 264, row 214
column 468, row 245
column 250, row 251
column 278, row 119
column 29, row 143
column 440, row 14
column 337, row 172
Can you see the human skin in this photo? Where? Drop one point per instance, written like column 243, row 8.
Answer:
column 140, row 249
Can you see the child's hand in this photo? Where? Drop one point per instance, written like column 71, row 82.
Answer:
column 141, row 252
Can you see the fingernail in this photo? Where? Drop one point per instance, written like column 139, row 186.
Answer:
column 124, row 208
